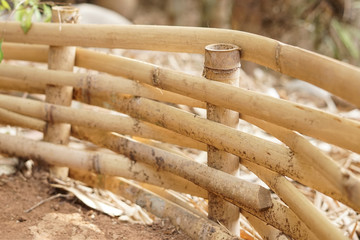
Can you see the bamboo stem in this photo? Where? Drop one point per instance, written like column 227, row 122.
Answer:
column 195, row 226
column 309, row 121
column 266, row 231
column 222, row 63
column 295, row 229
column 177, row 164
column 339, row 78
column 101, row 163
column 229, row 187
column 297, row 168
column 318, row 124
column 19, row 85
column 12, row 118
column 258, row 150
column 60, row 58
column 339, row 177
column 105, row 121
column 298, row 203
column 104, row 85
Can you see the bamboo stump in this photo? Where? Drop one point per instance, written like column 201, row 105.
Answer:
column 60, row 58
column 222, row 63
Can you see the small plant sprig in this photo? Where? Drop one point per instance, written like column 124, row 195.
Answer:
column 24, row 11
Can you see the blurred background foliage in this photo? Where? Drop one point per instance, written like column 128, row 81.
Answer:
column 330, row 27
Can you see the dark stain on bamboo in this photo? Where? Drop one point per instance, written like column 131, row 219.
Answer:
column 95, row 160
column 49, row 108
column 155, row 77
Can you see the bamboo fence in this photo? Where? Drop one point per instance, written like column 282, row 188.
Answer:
column 60, row 58
column 305, row 120
column 140, row 89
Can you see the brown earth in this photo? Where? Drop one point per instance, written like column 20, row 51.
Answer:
column 63, row 218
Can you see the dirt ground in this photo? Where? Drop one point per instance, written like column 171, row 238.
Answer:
column 63, row 218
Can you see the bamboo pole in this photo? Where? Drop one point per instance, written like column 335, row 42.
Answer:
column 19, row 85
column 309, row 121
column 26, row 52
column 310, row 175
column 176, row 164
column 278, row 215
column 101, row 163
column 270, row 155
column 337, row 77
column 298, row 203
column 343, row 181
column 222, row 63
column 93, row 84
column 173, row 198
column 60, row 58
column 88, row 118
column 319, row 124
column 12, row 118
column 266, row 231
column 195, row 226
column 341, row 178
column 231, row 188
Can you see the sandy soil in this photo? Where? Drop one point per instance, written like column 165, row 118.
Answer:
column 63, row 218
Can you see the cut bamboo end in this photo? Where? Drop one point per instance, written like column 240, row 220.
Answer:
column 60, row 58
column 222, row 62
column 65, row 14
column 194, row 225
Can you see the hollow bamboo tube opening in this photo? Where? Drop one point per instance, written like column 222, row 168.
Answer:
column 222, row 63
column 60, row 58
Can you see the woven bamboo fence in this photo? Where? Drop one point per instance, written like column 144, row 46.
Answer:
column 140, row 91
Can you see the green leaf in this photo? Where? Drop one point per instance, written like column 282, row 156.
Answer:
column 5, row 4
column 46, row 13
column 346, row 38
column 1, row 51
column 37, row 13
column 19, row 14
column 26, row 20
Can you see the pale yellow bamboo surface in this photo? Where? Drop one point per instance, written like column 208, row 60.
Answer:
column 339, row 78
column 309, row 121
column 92, row 84
column 94, row 119
column 194, row 225
column 278, row 215
column 98, row 162
column 248, row 147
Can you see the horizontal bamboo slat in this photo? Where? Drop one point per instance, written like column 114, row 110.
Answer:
column 277, row 215
column 101, row 163
column 339, row 78
column 309, row 121
column 88, row 118
column 195, row 226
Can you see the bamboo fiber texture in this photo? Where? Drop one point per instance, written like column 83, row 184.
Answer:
column 105, row 121
column 309, row 121
column 101, row 163
column 339, row 78
column 286, row 220
column 195, row 226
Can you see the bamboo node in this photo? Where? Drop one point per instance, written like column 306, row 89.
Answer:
column 49, row 112
column 95, row 159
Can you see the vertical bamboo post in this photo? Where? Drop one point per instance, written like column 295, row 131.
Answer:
column 222, row 63
column 60, row 58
